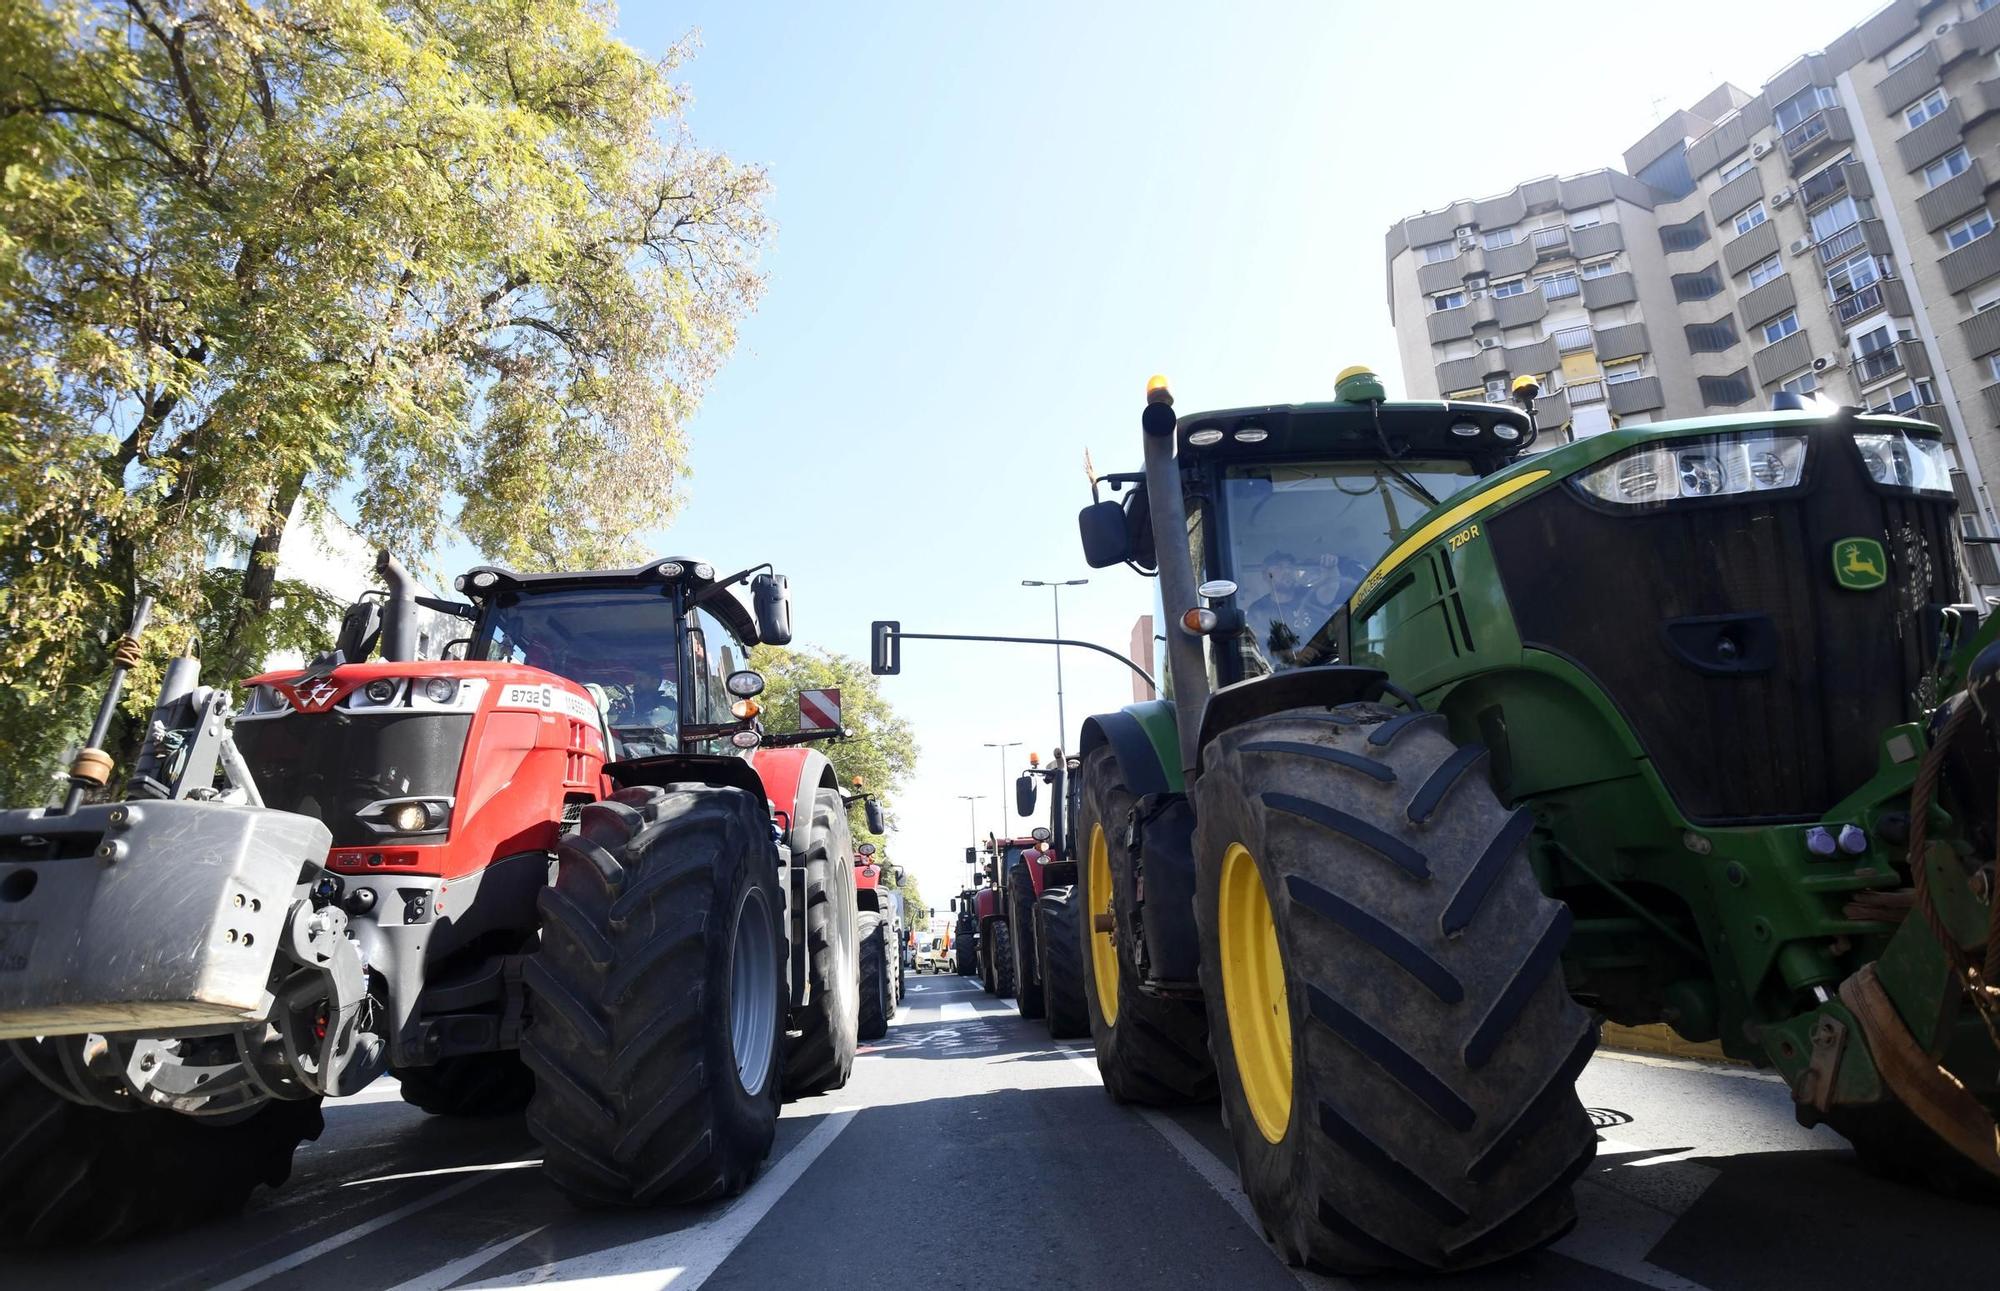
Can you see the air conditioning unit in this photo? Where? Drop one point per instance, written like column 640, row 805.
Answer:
column 1488, row 343
column 1759, row 148
column 1801, row 245
column 1465, row 244
column 1827, row 361
column 1783, row 197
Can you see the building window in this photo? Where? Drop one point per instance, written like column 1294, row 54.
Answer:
column 1698, row 286
column 1877, row 338
column 1968, row 230
column 1600, row 269
column 1624, row 370
column 1439, row 251
column 1777, row 329
column 1830, row 220
column 1804, row 104
column 1496, row 390
column 1993, row 365
column 1904, row 398
column 1801, row 385
column 1852, row 274
column 1497, row 238
column 1512, row 287
column 1924, row 108
column 1685, row 236
column 1587, row 220
column 1572, row 338
column 1447, row 300
column 1710, row 338
column 1558, row 286
column 1981, row 6
column 1554, row 236
column 1742, row 166
column 1952, row 163
column 1749, row 217
column 1765, row 270
column 1725, row 392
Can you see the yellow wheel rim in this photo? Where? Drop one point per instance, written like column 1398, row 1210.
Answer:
column 1253, row 993
column 1103, row 946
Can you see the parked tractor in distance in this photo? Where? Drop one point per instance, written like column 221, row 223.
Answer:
column 1037, row 891
column 567, row 873
column 1465, row 748
column 965, row 925
column 878, row 931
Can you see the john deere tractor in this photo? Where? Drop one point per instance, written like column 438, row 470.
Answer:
column 1464, row 749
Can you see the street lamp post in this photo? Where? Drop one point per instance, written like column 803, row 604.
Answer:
column 1011, row 744
column 972, row 801
column 1055, row 594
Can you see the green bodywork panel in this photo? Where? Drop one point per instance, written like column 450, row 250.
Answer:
column 1156, row 718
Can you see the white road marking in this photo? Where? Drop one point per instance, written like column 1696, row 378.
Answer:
column 683, row 1259
column 307, row 1254
column 448, row 1169
column 956, row 1011
column 445, row 1274
column 1732, row 1070
column 1214, row 1172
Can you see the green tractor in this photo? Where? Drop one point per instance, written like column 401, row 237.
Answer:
column 1463, row 750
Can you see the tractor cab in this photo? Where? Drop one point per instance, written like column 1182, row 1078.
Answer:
column 1290, row 506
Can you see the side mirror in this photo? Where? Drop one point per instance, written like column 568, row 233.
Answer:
column 360, row 629
column 1102, row 527
column 972, row 856
column 873, row 811
column 1024, row 794
column 771, row 595
column 951, row 905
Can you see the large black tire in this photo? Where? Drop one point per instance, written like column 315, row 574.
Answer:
column 967, row 949
column 1021, row 936
column 1431, row 1049
column 822, row 1052
column 74, row 1176
column 473, row 1084
column 877, row 991
column 1891, row 1143
column 1003, row 960
column 987, row 981
column 1068, row 1014
column 639, row 1094
column 1150, row 1049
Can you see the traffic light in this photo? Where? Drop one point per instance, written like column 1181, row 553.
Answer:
column 972, row 856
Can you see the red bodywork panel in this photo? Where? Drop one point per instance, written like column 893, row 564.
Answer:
column 781, row 771
column 987, row 904
column 534, row 744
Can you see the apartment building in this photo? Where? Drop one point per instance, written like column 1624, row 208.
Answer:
column 1830, row 235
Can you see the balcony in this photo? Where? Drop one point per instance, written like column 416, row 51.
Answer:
column 1767, row 301
column 1622, row 342
column 1982, row 333
column 1878, row 365
column 1582, row 393
column 1448, row 325
column 1977, row 35
column 1907, row 83
column 1870, row 233
column 1916, row 359
column 1462, row 374
column 1857, row 305
column 1642, row 395
column 1957, row 197
column 1703, row 284
column 1932, row 139
column 1974, row 262
column 1538, row 357
column 1735, row 195
column 1551, row 244
column 1818, row 189
column 1509, row 261
column 1780, row 359
column 1759, row 244
column 1597, row 240
column 1442, row 276
column 1982, row 101
column 1991, row 396
column 1688, row 235
column 1519, row 311
column 1815, row 135
column 1612, row 289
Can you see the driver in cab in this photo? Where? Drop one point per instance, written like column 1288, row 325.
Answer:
column 1302, row 597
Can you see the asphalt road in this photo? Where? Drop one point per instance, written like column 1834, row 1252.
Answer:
column 971, row 1151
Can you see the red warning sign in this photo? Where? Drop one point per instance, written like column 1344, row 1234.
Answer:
column 819, row 710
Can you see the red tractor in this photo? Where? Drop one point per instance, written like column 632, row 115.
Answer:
column 567, row 872
column 879, row 933
column 1027, row 933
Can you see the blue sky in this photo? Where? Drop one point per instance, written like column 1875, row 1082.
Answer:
column 994, row 222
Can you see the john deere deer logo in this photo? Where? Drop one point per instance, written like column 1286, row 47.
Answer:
column 1859, row 564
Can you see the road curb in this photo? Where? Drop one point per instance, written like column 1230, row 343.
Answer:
column 1660, row 1039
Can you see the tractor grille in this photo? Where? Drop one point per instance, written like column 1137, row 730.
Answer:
column 331, row 765
column 1786, row 718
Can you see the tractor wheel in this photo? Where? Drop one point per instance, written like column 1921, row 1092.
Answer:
column 1891, row 1143
column 1149, row 1049
column 1061, row 953
column 74, row 1176
column 876, row 988
column 1397, row 1050
column 822, row 1053
column 967, row 951
column 473, row 1084
column 1021, row 932
column 987, row 981
column 658, row 999
column 1003, row 960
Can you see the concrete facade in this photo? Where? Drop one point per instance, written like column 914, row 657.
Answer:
column 1832, row 234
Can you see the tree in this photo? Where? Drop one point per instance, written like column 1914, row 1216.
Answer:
column 259, row 256
column 882, row 750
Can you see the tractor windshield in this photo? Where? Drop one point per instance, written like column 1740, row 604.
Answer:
column 623, row 643
column 1298, row 538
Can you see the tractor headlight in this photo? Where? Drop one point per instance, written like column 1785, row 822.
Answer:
column 1698, row 468
column 1904, row 461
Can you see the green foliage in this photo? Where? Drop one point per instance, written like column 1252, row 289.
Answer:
column 882, row 750
column 457, row 255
